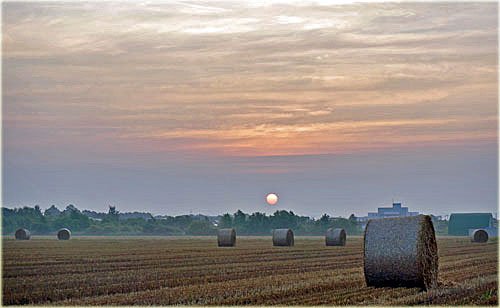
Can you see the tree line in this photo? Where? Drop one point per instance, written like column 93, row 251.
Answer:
column 115, row 223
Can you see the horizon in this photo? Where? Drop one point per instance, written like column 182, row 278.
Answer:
column 208, row 106
column 104, row 211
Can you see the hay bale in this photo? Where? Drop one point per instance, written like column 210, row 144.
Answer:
column 22, row 234
column 283, row 237
column 335, row 237
column 63, row 234
column 226, row 237
column 479, row 236
column 401, row 252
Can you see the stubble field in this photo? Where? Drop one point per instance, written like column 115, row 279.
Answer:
column 193, row 271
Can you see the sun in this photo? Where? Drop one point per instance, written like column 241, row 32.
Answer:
column 272, row 198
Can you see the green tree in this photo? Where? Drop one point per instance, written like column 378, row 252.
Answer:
column 201, row 227
column 258, row 224
column 283, row 219
column 113, row 215
column 351, row 227
column 239, row 218
column 226, row 221
column 324, row 220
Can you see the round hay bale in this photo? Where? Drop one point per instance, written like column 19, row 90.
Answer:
column 22, row 234
column 226, row 237
column 335, row 237
column 63, row 234
column 479, row 236
column 283, row 237
column 401, row 252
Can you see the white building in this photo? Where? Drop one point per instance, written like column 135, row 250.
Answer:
column 385, row 212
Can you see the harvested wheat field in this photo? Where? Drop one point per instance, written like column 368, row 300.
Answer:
column 194, row 271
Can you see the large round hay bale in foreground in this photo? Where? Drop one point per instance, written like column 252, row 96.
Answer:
column 22, row 234
column 401, row 252
column 63, row 234
column 226, row 237
column 283, row 237
column 479, row 236
column 335, row 237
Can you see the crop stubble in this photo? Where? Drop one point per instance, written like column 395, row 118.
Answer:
column 164, row 271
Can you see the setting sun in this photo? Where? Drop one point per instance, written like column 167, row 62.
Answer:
column 272, row 199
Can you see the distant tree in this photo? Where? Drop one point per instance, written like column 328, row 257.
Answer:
column 52, row 211
column 70, row 218
column 112, row 211
column 71, row 208
column 226, row 221
column 353, row 218
column 201, row 227
column 113, row 215
column 319, row 226
column 283, row 219
column 246, row 224
column 350, row 226
column 182, row 221
column 324, row 220
column 239, row 219
column 258, row 224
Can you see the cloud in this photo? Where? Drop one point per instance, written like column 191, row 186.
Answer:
column 285, row 20
column 248, row 79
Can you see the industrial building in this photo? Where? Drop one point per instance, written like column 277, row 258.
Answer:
column 461, row 223
column 385, row 212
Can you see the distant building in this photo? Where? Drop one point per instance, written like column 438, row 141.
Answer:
column 395, row 211
column 385, row 212
column 460, row 223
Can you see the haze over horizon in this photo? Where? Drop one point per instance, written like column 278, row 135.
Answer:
column 206, row 107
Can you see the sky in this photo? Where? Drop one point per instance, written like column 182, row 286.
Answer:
column 206, row 106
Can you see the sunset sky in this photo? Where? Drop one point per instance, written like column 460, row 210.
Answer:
column 205, row 107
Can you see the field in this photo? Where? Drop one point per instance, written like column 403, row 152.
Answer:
column 193, row 271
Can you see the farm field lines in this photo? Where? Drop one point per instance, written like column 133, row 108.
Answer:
column 164, row 271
